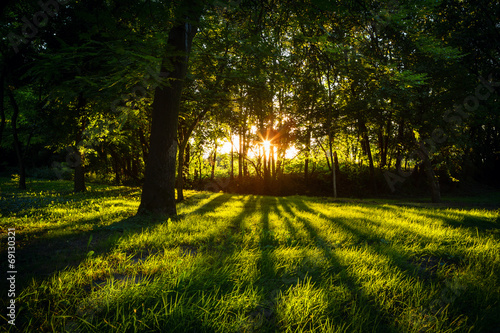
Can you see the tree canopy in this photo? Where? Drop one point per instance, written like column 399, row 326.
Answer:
column 346, row 98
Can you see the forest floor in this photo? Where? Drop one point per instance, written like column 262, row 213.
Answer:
column 245, row 263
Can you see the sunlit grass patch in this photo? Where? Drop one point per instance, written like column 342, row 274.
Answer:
column 232, row 263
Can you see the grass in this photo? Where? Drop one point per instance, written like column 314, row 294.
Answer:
column 233, row 263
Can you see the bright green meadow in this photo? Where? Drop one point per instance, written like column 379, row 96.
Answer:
column 244, row 263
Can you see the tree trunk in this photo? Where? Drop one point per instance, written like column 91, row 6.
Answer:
column 2, row 106
column 187, row 162
column 79, row 178
column 17, row 143
column 366, row 147
column 399, row 143
column 232, row 159
column 180, row 168
column 336, row 160
column 79, row 183
column 158, row 192
column 306, row 161
column 430, row 175
column 383, row 142
column 214, row 162
column 273, row 164
column 333, row 160
column 240, row 157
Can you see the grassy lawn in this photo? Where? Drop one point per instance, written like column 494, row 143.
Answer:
column 234, row 263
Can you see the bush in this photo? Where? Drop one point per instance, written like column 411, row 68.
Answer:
column 58, row 171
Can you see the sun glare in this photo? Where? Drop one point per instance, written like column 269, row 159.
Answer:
column 253, row 150
column 267, row 146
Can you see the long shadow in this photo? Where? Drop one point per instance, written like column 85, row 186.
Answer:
column 289, row 226
column 438, row 213
column 369, row 239
column 379, row 318
column 216, row 200
column 212, row 276
column 109, row 235
column 410, row 270
column 44, row 257
column 69, row 250
column 373, row 237
column 229, row 242
column 263, row 317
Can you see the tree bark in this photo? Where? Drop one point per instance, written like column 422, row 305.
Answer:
column 214, row 163
column 333, row 159
column 79, row 183
column 158, row 192
column 240, row 157
column 430, row 175
column 231, row 177
column 308, row 149
column 273, row 164
column 365, row 143
column 180, row 167
column 2, row 106
column 17, row 143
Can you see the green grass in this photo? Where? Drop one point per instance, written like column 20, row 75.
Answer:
column 233, row 263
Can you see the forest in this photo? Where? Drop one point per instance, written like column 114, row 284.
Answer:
column 347, row 98
column 250, row 166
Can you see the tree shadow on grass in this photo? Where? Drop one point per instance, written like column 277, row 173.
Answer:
column 376, row 318
column 188, row 299
column 466, row 219
column 415, row 271
column 263, row 317
column 215, row 200
column 48, row 256
column 374, row 242
column 45, row 256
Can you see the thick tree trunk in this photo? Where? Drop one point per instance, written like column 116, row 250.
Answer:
column 79, row 177
column 79, row 182
column 158, row 192
column 17, row 143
